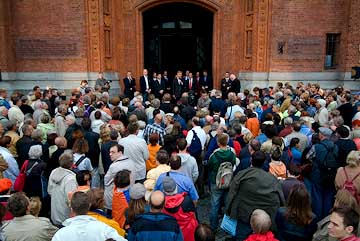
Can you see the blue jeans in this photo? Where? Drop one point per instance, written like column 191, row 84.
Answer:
column 218, row 197
column 95, row 179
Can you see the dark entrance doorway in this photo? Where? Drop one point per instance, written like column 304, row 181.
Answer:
column 178, row 36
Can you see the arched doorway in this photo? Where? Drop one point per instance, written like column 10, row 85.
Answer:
column 178, row 36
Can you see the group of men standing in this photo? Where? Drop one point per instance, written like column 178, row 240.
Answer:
column 159, row 84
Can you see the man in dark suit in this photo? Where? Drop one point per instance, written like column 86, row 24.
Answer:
column 145, row 84
column 190, row 84
column 225, row 85
column 159, row 86
column 129, row 85
column 235, row 84
column 167, row 82
column 178, row 85
column 206, row 82
column 197, row 80
column 94, row 151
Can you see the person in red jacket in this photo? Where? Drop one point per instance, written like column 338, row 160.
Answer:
column 181, row 207
column 260, row 223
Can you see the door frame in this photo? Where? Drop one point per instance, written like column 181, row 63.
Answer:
column 211, row 6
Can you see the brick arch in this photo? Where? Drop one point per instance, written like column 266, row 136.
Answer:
column 214, row 6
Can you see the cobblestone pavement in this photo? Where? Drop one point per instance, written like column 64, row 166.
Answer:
column 203, row 215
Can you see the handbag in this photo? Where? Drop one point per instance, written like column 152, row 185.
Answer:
column 229, row 225
column 20, row 180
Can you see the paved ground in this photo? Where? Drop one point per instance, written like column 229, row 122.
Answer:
column 203, row 214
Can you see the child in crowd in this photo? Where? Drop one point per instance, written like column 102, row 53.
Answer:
column 295, row 151
column 121, row 197
column 277, row 167
column 153, row 148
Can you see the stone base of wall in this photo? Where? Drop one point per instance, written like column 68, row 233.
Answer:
column 327, row 80
column 25, row 81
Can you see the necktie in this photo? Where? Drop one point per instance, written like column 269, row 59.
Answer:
column 190, row 85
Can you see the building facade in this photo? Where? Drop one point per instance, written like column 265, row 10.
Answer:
column 59, row 43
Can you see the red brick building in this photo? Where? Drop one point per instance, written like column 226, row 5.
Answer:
column 58, row 43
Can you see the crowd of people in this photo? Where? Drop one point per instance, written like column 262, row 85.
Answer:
column 278, row 163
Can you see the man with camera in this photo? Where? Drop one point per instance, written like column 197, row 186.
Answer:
column 102, row 85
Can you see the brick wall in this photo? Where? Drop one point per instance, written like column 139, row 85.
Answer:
column 353, row 42
column 49, row 35
column 301, row 26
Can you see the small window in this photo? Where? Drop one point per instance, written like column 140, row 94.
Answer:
column 332, row 50
column 185, row 25
column 168, row 25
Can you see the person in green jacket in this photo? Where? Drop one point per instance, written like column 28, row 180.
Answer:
column 223, row 154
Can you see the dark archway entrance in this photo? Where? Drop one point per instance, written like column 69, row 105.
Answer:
column 178, row 36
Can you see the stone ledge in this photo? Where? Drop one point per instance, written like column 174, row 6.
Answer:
column 25, row 81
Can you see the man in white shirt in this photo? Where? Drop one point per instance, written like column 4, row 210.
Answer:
column 120, row 162
column 199, row 132
column 136, row 149
column 82, row 227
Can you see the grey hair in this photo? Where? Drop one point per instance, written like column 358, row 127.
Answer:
column 2, row 108
column 66, row 159
column 61, row 108
column 288, row 121
column 87, row 99
column 35, row 152
column 292, row 109
column 278, row 95
column 155, row 103
column 45, row 118
column 271, row 102
column 10, row 124
column 260, row 221
column 37, row 134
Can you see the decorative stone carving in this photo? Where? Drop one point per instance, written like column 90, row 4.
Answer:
column 107, row 20
column 262, row 35
column 94, row 62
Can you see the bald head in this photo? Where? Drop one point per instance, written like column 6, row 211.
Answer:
column 61, row 142
column 158, row 118
column 157, row 201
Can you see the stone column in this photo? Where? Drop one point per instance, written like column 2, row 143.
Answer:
column 6, row 49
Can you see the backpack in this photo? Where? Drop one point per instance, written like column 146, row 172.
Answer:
column 349, row 185
column 87, row 111
column 195, row 147
column 20, row 180
column 75, row 166
column 328, row 167
column 224, row 174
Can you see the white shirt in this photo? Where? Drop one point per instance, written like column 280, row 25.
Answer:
column 146, row 82
column 231, row 111
column 13, row 170
column 85, row 228
column 200, row 133
column 85, row 164
column 136, row 149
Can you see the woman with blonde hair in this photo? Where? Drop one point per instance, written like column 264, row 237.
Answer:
column 351, row 172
